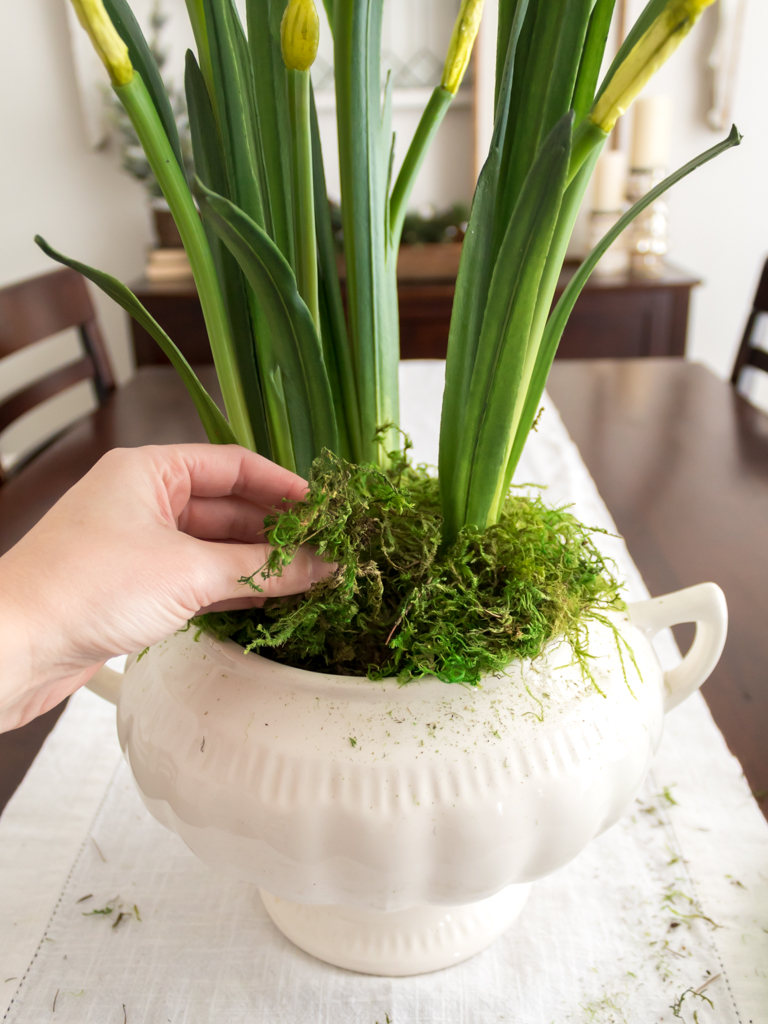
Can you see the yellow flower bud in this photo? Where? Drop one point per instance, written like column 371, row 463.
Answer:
column 299, row 34
column 462, row 40
column 645, row 58
column 106, row 41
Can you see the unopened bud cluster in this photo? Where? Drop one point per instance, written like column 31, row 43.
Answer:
column 460, row 47
column 106, row 41
column 653, row 49
column 299, row 35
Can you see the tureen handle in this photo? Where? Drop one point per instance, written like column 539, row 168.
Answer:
column 105, row 682
column 705, row 605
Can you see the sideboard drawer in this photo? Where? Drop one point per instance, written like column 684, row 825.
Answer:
column 613, row 317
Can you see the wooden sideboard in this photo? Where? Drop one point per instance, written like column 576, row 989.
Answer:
column 622, row 316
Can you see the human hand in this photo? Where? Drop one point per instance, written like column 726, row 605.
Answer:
column 147, row 539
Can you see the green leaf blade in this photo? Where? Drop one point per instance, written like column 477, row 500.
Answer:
column 592, row 57
column 213, row 420
column 196, row 12
column 271, row 94
column 567, row 61
column 211, row 170
column 292, row 343
column 472, row 284
column 146, row 121
column 235, row 109
column 569, row 210
column 364, row 150
column 508, row 345
column 559, row 316
column 554, row 34
column 335, row 338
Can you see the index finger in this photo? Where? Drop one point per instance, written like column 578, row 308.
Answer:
column 217, row 470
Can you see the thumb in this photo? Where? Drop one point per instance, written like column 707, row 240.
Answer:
column 223, row 565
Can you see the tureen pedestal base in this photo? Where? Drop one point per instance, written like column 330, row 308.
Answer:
column 396, row 943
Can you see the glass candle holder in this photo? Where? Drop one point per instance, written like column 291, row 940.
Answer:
column 615, row 261
column 648, row 236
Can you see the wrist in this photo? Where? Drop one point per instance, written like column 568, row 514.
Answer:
column 20, row 675
column 16, row 673
column 37, row 667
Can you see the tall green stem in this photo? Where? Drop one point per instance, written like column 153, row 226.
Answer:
column 279, row 421
column 334, row 335
column 364, row 150
column 430, row 121
column 139, row 107
column 586, row 139
column 271, row 96
column 303, row 194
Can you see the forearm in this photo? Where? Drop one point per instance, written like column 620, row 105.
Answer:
column 35, row 672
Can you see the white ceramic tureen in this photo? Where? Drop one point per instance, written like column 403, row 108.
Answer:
column 396, row 829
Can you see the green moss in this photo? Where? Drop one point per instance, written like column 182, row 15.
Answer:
column 400, row 606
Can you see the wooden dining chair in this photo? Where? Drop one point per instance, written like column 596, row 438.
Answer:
column 32, row 312
column 749, row 354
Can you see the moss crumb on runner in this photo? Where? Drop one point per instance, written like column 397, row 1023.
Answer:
column 398, row 605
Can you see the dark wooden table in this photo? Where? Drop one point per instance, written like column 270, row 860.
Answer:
column 680, row 459
column 622, row 316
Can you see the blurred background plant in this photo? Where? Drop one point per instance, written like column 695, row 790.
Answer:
column 424, row 226
column 132, row 156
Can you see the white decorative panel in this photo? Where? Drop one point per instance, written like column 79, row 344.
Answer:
column 415, row 36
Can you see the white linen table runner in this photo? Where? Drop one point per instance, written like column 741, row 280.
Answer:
column 663, row 918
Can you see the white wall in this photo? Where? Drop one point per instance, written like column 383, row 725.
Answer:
column 50, row 181
column 719, row 215
column 447, row 175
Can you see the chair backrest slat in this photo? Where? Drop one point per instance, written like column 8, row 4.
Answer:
column 749, row 354
column 761, row 295
column 758, row 358
column 34, row 310
column 33, row 395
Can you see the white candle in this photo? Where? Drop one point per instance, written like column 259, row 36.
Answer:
column 652, row 133
column 610, row 181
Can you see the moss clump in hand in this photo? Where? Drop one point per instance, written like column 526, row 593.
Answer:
column 399, row 605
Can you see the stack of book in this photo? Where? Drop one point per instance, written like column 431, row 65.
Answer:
column 168, row 265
